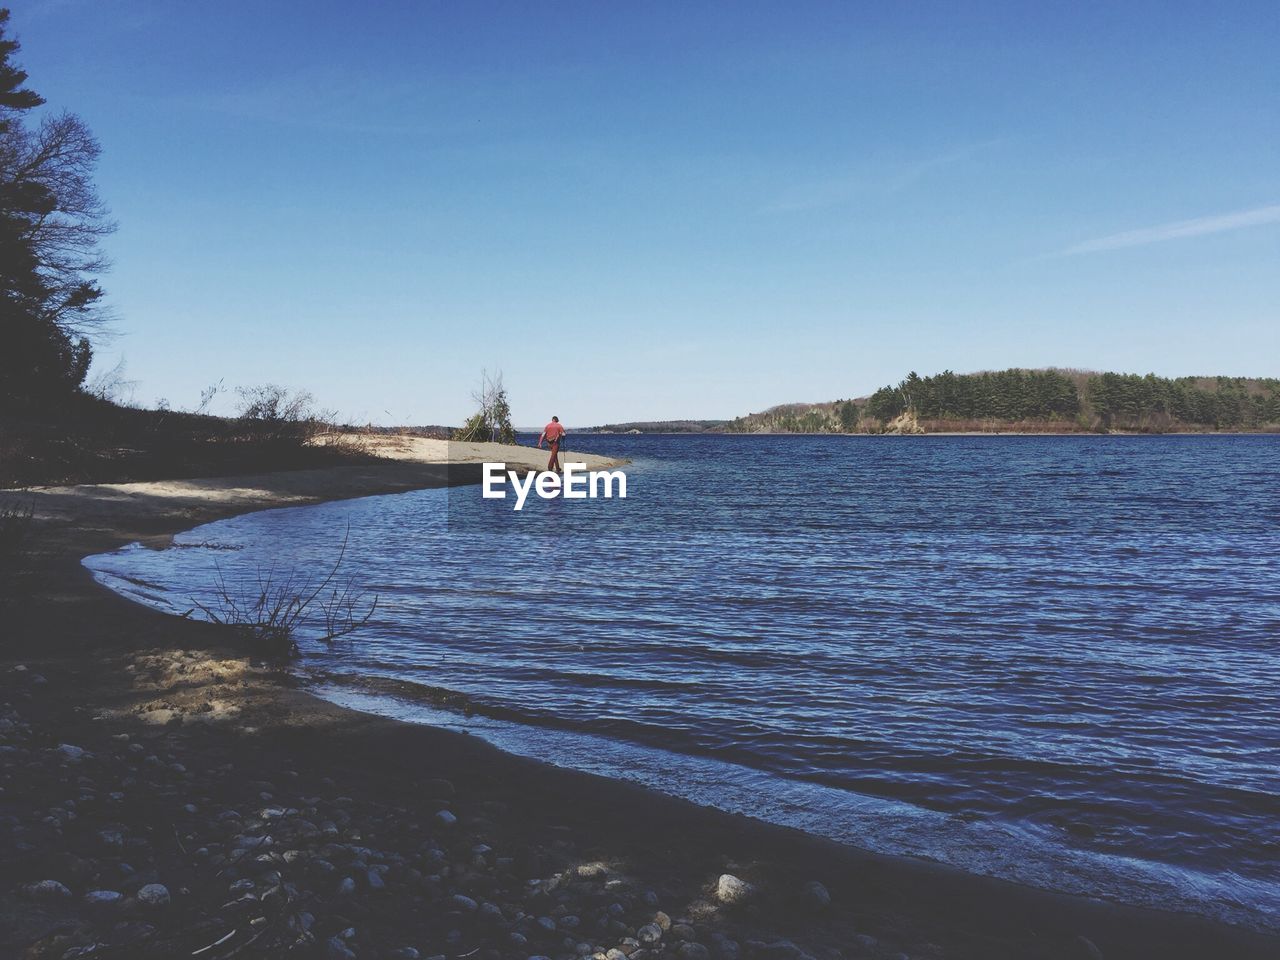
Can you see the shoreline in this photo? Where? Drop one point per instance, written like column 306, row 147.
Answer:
column 147, row 674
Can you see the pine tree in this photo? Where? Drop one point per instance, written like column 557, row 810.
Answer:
column 51, row 222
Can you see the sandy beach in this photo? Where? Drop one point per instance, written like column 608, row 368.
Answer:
column 165, row 796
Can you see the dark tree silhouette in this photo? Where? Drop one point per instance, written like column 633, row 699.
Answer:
column 51, row 222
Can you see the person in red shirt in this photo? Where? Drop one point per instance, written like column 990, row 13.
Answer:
column 553, row 433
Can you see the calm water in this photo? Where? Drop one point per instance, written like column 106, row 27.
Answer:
column 1051, row 659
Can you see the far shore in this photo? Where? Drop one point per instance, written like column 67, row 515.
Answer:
column 445, row 840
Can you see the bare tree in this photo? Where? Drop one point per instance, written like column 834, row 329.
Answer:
column 112, row 385
column 491, row 423
column 53, row 165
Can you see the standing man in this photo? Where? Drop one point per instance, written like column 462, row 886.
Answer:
column 553, row 433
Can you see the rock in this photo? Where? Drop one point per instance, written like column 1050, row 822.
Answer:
column 153, row 895
column 692, row 951
column 445, row 818
column 463, row 903
column 47, row 890
column 346, row 887
column 103, row 898
column 730, row 889
column 649, row 933
column 111, row 839
column 815, row 895
column 404, row 953
column 662, row 920
column 72, row 752
column 1085, row 949
column 336, row 948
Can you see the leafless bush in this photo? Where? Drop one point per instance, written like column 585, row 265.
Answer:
column 112, row 385
column 267, row 612
column 207, row 396
column 273, row 412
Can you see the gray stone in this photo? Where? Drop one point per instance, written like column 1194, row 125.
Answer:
column 336, row 948
column 464, row 903
column 111, row 839
column 692, row 951
column 103, row 898
column 47, row 890
column 649, row 933
column 154, row 895
column 730, row 889
column 816, row 895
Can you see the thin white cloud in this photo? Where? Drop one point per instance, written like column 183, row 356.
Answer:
column 1199, row 227
column 838, row 191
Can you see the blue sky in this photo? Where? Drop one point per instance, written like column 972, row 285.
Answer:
column 643, row 211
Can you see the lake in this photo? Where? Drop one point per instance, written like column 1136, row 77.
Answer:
column 1052, row 659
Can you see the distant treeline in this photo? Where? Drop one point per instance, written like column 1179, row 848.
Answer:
column 661, row 426
column 1058, row 401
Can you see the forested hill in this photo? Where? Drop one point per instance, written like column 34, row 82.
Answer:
column 661, row 426
column 1042, row 401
